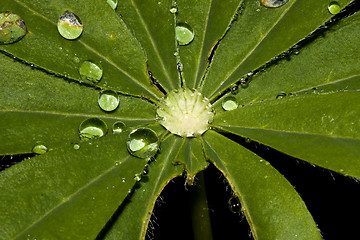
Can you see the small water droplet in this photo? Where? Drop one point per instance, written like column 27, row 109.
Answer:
column 173, row 10
column 70, row 26
column 234, row 204
column 244, row 83
column 76, row 59
column 12, row 28
column 39, row 148
column 76, row 146
column 273, row 3
column 137, row 177
column 334, row 8
column 184, row 34
column 229, row 103
column 92, row 128
column 248, row 140
column 117, row 163
column 123, row 180
column 281, row 95
column 108, row 100
column 143, row 143
column 118, row 127
column 90, row 71
column 113, row 3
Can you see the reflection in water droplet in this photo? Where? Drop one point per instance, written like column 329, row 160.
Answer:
column 12, row 28
column 229, row 103
column 113, row 3
column 90, row 71
column 92, row 128
column 118, row 127
column 234, row 204
column 76, row 146
column 334, row 8
column 281, row 95
column 39, row 148
column 108, row 100
column 184, row 34
column 273, row 3
column 70, row 26
column 143, row 143
column 173, row 10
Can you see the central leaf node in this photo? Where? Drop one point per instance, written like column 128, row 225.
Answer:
column 185, row 112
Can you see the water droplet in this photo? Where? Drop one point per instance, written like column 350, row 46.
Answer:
column 234, row 204
column 70, row 26
column 143, row 143
column 137, row 177
column 113, row 3
column 108, row 100
column 118, row 127
column 76, row 146
column 145, row 172
column 273, row 3
column 184, row 34
column 281, row 95
column 334, row 8
column 229, row 103
column 76, row 59
column 244, row 83
column 12, row 28
column 90, row 71
column 39, row 148
column 173, row 10
column 92, row 128
column 123, row 180
column 248, row 140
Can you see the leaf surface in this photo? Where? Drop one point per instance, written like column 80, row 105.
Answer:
column 322, row 129
column 41, row 196
column 272, row 207
column 260, row 34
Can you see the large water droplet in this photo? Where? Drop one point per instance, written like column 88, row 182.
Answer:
column 143, row 143
column 334, row 8
column 118, row 127
column 273, row 3
column 234, row 204
column 113, row 3
column 184, row 34
column 70, row 26
column 108, row 100
column 92, row 128
column 229, row 103
column 39, row 148
column 90, row 71
column 12, row 28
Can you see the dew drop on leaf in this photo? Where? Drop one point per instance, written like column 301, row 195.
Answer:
column 113, row 3
column 90, row 71
column 273, row 3
column 118, row 127
column 184, row 34
column 92, row 128
column 234, row 204
column 76, row 146
column 12, row 28
column 70, row 26
column 334, row 8
column 143, row 143
column 229, row 103
column 39, row 148
column 108, row 100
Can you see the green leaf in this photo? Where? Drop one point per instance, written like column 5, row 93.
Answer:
column 272, row 207
column 260, row 34
column 67, row 193
column 37, row 107
column 153, row 25
column 110, row 46
column 319, row 128
column 209, row 20
column 135, row 216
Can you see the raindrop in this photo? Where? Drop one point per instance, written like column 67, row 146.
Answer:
column 12, row 28
column 90, row 71
column 143, row 143
column 281, row 95
column 229, row 103
column 76, row 146
column 334, row 8
column 92, row 128
column 113, row 3
column 173, row 10
column 118, row 127
column 70, row 26
column 108, row 100
column 39, row 148
column 184, row 34
column 234, row 204
column 273, row 3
